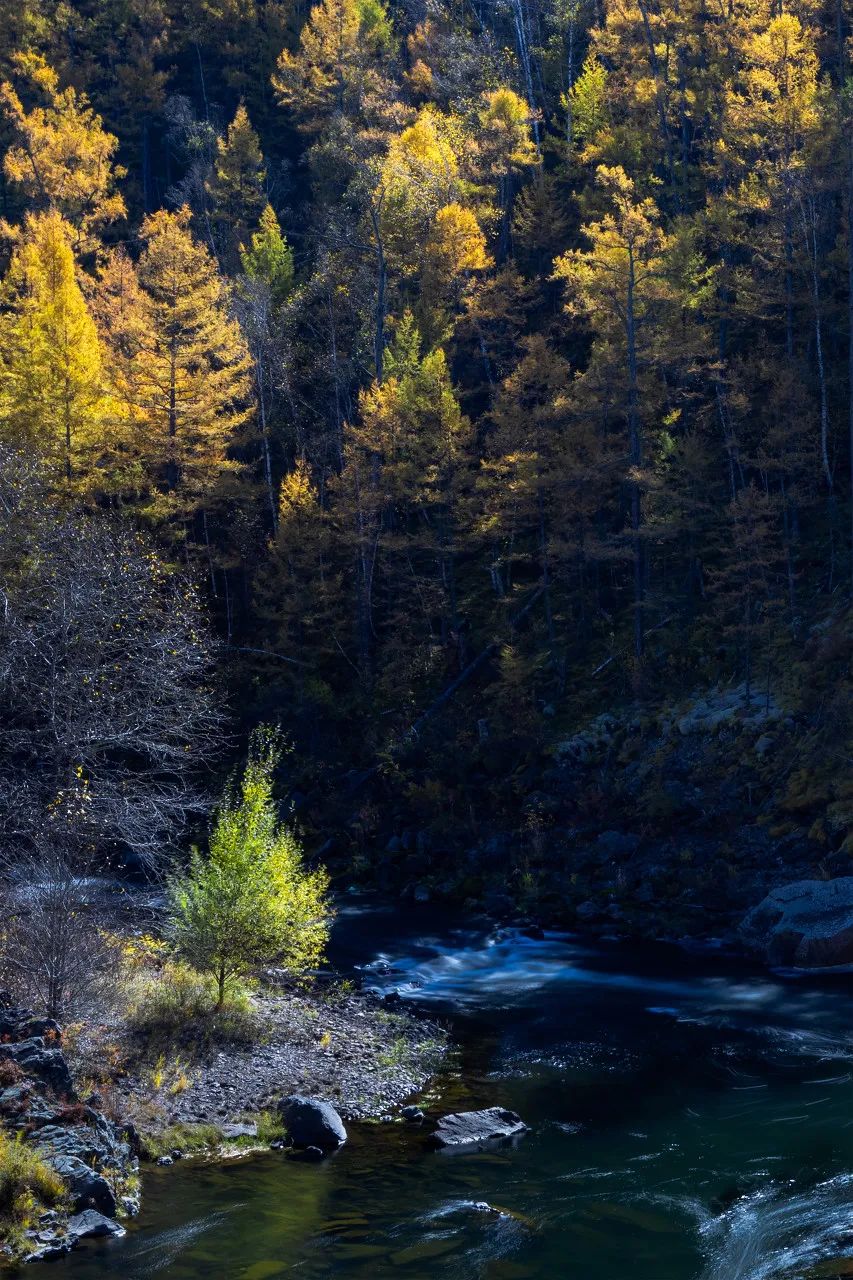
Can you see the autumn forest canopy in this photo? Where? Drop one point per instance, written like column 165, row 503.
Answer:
column 425, row 378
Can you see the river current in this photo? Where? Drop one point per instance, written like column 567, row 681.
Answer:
column 690, row 1119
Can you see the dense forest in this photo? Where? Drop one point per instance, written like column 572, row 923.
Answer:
column 435, row 380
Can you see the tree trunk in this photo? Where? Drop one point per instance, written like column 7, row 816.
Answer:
column 635, row 451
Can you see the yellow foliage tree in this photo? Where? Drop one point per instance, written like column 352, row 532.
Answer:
column 331, row 69
column 52, row 393
column 298, row 586
column 400, row 498
column 621, row 282
column 505, row 141
column 419, row 175
column 184, row 369
column 236, row 187
column 61, row 157
column 455, row 248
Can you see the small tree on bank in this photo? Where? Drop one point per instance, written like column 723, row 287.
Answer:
column 252, row 901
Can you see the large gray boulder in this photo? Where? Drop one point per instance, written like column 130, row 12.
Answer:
column 88, row 1189
column 92, row 1223
column 466, row 1128
column 807, row 923
column 311, row 1122
column 707, row 712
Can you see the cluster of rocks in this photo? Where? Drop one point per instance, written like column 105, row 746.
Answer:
column 92, row 1155
column 663, row 822
column 316, row 1130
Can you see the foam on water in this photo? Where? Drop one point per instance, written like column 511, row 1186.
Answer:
column 509, row 968
column 780, row 1233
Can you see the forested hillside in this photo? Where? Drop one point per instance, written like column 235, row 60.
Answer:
column 433, row 379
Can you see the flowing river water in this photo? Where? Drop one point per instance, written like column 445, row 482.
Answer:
column 691, row 1119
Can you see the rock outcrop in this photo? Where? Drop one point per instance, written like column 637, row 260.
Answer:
column 91, row 1154
column 807, row 923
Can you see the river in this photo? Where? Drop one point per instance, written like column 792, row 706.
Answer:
column 691, row 1119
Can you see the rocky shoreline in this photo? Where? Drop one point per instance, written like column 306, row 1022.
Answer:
column 342, row 1048
column 94, row 1156
column 665, row 822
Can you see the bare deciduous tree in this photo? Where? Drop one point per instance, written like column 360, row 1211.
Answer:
column 107, row 711
column 54, row 952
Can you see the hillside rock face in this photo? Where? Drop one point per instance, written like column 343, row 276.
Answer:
column 808, row 923
column 91, row 1154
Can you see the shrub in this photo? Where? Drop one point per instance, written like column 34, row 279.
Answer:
column 10, row 1073
column 178, row 1005
column 27, row 1184
column 191, row 1139
column 270, row 1127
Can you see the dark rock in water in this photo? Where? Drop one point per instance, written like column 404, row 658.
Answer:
column 809, row 923
column 413, row 1114
column 165, row 1161
column 534, row 932
column 588, row 911
column 499, row 904
column 92, row 1223
column 307, row 1155
column 312, row 1123
column 467, row 1127
column 36, row 1059
column 87, row 1188
column 56, row 1248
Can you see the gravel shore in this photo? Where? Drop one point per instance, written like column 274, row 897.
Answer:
column 348, row 1049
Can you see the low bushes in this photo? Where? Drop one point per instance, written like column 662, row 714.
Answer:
column 175, row 1005
column 28, row 1187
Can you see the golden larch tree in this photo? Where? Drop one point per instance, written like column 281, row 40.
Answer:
column 61, row 156
column 52, row 383
column 189, row 376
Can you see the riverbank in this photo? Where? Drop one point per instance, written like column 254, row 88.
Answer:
column 656, row 822
column 326, row 1040
column 89, row 1104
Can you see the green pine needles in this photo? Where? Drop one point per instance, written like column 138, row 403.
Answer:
column 251, row 901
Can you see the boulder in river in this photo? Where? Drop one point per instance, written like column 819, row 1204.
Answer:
column 464, row 1128
column 310, row 1122
column 808, row 923
column 92, row 1223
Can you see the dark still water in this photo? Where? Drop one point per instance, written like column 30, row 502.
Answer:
column 691, row 1120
